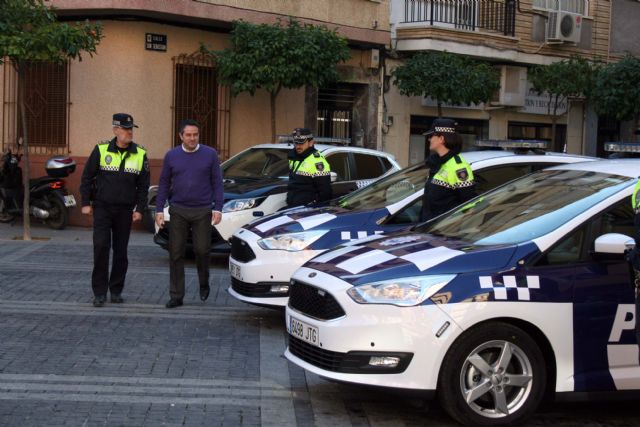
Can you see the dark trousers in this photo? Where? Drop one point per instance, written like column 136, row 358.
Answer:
column 111, row 228
column 183, row 220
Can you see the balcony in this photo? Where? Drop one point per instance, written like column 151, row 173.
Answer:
column 494, row 16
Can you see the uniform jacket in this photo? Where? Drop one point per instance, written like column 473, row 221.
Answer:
column 113, row 178
column 309, row 178
column 449, row 184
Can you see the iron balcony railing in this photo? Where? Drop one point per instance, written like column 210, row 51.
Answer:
column 489, row 15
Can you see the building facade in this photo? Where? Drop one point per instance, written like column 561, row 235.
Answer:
column 148, row 64
column 513, row 36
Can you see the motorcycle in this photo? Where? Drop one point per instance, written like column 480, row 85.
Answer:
column 49, row 198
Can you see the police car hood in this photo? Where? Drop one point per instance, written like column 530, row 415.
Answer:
column 241, row 187
column 305, row 218
column 409, row 254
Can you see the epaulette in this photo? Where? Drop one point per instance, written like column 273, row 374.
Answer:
column 317, row 154
column 104, row 142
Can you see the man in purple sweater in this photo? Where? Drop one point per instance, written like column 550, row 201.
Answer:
column 192, row 182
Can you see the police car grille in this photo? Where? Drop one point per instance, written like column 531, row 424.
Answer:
column 313, row 302
column 240, row 250
column 256, row 289
column 325, row 359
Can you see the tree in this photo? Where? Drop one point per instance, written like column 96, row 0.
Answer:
column 30, row 33
column 616, row 92
column 272, row 57
column 446, row 77
column 569, row 78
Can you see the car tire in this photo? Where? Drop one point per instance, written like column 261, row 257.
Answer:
column 493, row 375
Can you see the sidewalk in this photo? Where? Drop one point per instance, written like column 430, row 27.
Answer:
column 40, row 232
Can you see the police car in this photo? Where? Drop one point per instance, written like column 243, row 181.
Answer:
column 521, row 293
column 255, row 182
column 265, row 253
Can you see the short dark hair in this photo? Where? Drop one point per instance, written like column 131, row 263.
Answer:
column 453, row 141
column 187, row 122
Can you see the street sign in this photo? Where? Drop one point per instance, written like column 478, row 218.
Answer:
column 156, row 42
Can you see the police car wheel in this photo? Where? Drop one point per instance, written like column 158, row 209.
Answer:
column 493, row 375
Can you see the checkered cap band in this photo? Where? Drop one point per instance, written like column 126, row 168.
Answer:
column 444, row 129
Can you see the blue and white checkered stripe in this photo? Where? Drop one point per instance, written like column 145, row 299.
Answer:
column 356, row 235
column 509, row 282
column 306, row 222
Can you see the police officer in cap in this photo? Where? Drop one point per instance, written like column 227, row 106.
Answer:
column 450, row 180
column 115, row 180
column 309, row 173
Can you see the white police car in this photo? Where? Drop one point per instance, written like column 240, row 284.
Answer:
column 255, row 183
column 266, row 252
column 523, row 291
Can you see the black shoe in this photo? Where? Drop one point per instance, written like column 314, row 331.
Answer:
column 204, row 292
column 99, row 300
column 173, row 303
column 116, row 299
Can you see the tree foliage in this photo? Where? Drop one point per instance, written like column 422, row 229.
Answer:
column 447, row 78
column 30, row 33
column 283, row 55
column 616, row 92
column 569, row 78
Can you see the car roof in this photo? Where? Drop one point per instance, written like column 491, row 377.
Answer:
column 622, row 167
column 326, row 147
column 509, row 156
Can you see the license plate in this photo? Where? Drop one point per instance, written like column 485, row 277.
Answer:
column 234, row 270
column 69, row 201
column 304, row 332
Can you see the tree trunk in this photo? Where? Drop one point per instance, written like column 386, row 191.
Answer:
column 26, row 220
column 439, row 108
column 272, row 106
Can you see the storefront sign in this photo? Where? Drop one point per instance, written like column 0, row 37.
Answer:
column 427, row 101
column 539, row 104
column 156, row 42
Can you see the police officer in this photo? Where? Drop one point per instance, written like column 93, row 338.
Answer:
column 309, row 173
column 634, row 257
column 115, row 180
column 450, row 180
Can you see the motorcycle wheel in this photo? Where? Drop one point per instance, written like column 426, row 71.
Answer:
column 58, row 215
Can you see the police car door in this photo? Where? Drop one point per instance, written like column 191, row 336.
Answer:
column 605, row 348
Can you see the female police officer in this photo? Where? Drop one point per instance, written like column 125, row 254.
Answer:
column 450, row 180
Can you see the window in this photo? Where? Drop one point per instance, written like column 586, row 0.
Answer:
column 339, row 163
column 367, row 166
column 46, row 105
column 575, row 6
column 490, row 178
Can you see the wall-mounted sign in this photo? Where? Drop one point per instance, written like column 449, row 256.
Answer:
column 539, row 104
column 427, row 101
column 155, row 42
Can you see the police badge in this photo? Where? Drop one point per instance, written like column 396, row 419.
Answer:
column 320, row 166
column 462, row 174
column 108, row 159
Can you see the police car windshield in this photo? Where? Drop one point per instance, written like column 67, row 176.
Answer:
column 388, row 190
column 257, row 163
column 527, row 208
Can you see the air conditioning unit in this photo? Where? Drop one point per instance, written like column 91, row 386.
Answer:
column 563, row 27
column 513, row 86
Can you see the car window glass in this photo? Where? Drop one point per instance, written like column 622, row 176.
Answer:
column 387, row 190
column 257, row 162
column 567, row 250
column 490, row 178
column 386, row 164
column 339, row 163
column 367, row 166
column 527, row 208
column 619, row 219
column 410, row 214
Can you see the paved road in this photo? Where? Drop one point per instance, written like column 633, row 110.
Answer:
column 219, row 363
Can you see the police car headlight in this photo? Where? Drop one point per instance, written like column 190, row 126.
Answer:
column 403, row 292
column 242, row 204
column 292, row 242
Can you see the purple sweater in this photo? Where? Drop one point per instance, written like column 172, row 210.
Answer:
column 192, row 180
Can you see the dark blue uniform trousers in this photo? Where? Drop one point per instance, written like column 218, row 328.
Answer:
column 111, row 228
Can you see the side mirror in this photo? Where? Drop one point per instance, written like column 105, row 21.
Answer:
column 613, row 243
column 334, row 176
